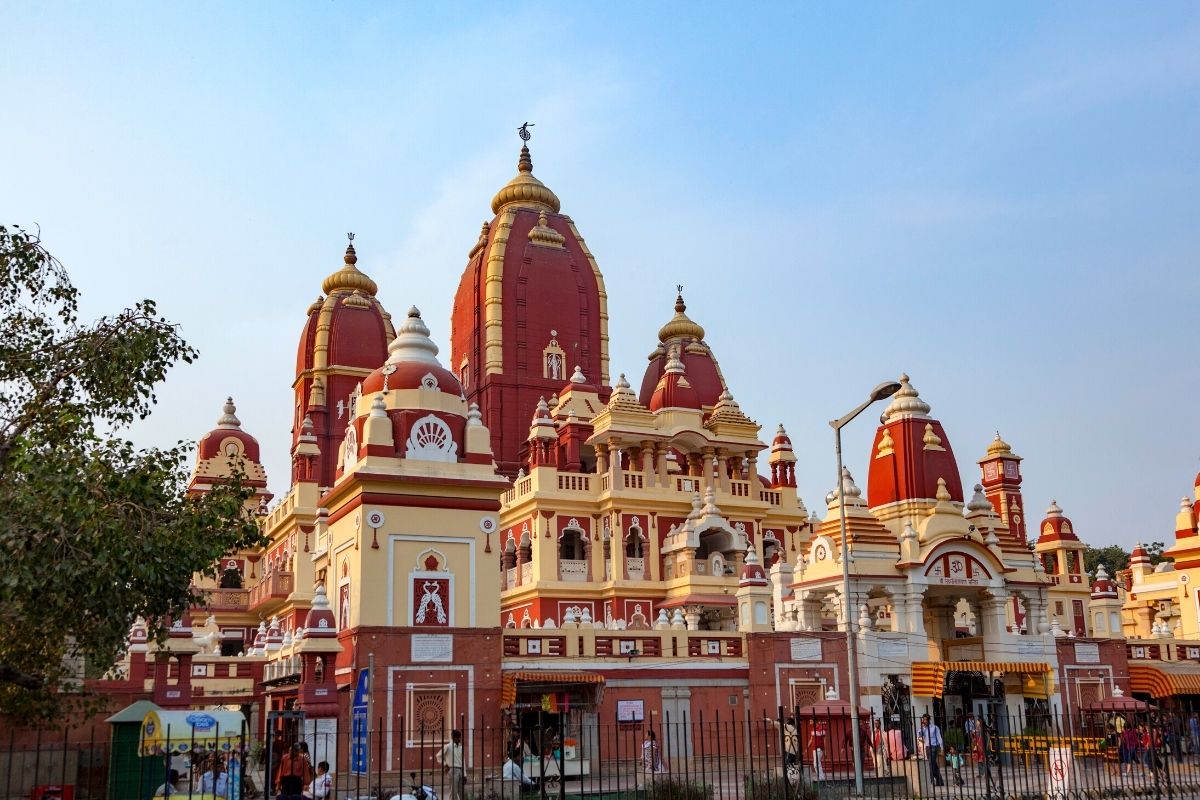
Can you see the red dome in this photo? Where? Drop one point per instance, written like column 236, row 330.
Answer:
column 359, row 328
column 413, row 375
column 686, row 338
column 911, row 452
column 752, row 572
column 674, row 389
column 412, row 362
column 1056, row 527
column 228, row 427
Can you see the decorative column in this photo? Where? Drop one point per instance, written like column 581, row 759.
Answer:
column 618, row 482
column 601, row 458
column 660, row 455
column 648, row 463
column 723, row 469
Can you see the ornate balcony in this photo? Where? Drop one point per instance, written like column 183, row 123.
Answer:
column 271, row 590
column 228, row 600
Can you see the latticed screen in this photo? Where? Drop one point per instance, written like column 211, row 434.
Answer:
column 429, row 713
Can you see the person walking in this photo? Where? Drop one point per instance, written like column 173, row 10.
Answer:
column 931, row 736
column 816, row 746
column 295, row 772
column 652, row 761
column 451, row 759
column 883, row 764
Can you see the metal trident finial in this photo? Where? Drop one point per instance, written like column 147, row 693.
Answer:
column 679, row 288
column 350, row 236
column 523, row 131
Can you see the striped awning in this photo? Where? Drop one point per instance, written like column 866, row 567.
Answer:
column 1164, row 680
column 508, row 686
column 929, row 677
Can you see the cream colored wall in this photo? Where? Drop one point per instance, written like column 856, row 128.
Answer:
column 379, row 578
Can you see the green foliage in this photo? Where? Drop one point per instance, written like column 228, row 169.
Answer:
column 1115, row 558
column 95, row 532
column 665, row 787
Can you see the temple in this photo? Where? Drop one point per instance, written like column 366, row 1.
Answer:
column 512, row 535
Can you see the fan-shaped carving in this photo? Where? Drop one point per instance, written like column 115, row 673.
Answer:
column 431, row 440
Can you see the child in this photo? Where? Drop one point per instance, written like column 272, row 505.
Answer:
column 322, row 785
column 955, row 761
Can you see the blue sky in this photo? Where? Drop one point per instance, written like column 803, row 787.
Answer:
column 1001, row 201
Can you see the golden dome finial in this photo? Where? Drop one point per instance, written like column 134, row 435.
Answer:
column 998, row 446
column 525, row 190
column 680, row 324
column 348, row 278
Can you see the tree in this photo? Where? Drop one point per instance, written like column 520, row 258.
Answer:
column 1115, row 558
column 94, row 531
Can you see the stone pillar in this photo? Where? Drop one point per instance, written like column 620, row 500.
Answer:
column 723, row 469
column 993, row 613
column 615, row 453
column 601, row 458
column 660, row 456
column 781, row 579
column 648, row 463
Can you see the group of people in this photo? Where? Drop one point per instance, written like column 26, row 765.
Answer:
column 887, row 746
column 214, row 774
column 296, row 777
column 1146, row 744
column 978, row 747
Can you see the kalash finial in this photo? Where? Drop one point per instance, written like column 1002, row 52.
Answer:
column 525, row 164
column 525, row 190
column 348, row 278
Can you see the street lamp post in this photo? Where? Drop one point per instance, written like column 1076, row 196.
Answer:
column 881, row 391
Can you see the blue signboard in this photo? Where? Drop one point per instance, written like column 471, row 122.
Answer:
column 358, row 724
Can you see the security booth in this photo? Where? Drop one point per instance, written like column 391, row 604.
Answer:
column 191, row 741
column 131, row 776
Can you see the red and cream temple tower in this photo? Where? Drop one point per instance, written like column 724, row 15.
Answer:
column 513, row 529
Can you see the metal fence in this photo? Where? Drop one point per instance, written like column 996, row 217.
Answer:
column 799, row 754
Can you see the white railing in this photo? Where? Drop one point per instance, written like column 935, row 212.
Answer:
column 511, row 578
column 572, row 570
column 527, row 573
column 636, row 568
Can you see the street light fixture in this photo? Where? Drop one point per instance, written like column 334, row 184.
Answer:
column 883, row 390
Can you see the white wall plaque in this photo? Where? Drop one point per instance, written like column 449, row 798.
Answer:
column 806, row 649
column 630, row 710
column 893, row 649
column 1087, row 653
column 1033, row 648
column 427, row 647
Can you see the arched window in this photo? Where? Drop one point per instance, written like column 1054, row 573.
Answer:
column 570, row 545
column 634, row 543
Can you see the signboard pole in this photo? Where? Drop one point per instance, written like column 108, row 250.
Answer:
column 370, row 705
column 360, row 716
